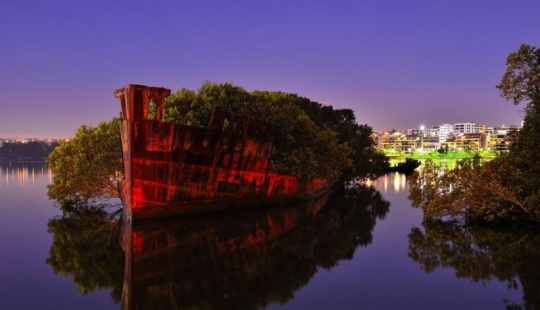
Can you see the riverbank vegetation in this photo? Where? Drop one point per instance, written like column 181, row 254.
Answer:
column 29, row 151
column 506, row 188
column 310, row 140
column 88, row 166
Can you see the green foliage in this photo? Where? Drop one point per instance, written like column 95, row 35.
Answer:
column 523, row 158
column 366, row 160
column 472, row 191
column 442, row 150
column 521, row 81
column 311, row 140
column 88, row 166
column 506, row 188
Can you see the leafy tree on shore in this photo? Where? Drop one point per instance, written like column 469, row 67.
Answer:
column 521, row 81
column 366, row 160
column 521, row 84
column 472, row 191
column 506, row 188
column 88, row 166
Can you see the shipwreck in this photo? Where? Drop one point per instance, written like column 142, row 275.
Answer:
column 177, row 169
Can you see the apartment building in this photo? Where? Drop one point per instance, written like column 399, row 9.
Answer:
column 445, row 130
column 455, row 137
column 466, row 141
column 465, row 128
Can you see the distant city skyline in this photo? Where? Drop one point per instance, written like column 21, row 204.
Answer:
column 432, row 125
column 419, row 127
column 396, row 63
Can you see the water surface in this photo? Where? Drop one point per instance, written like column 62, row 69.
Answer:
column 364, row 251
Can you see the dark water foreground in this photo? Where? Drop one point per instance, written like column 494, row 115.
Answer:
column 244, row 260
column 362, row 250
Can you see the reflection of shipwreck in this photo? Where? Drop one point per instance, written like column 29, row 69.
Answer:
column 243, row 259
column 220, row 261
column 175, row 169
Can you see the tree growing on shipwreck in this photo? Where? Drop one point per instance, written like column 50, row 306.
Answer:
column 311, row 140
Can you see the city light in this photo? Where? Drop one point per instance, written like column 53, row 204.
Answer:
column 447, row 138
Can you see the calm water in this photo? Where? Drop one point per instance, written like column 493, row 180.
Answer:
column 364, row 251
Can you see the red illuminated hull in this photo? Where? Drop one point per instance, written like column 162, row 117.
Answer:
column 176, row 169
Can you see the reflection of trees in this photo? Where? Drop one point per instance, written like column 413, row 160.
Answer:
column 335, row 233
column 247, row 262
column 239, row 261
column 481, row 253
column 86, row 247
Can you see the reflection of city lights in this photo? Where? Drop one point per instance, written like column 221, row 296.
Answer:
column 385, row 183
column 21, row 176
column 24, row 176
column 403, row 181
column 397, row 182
column 369, row 182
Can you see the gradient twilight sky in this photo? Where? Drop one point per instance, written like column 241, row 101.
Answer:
column 396, row 63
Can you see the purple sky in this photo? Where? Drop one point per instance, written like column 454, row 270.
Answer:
column 398, row 64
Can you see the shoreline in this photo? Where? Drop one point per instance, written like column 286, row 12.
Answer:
column 441, row 156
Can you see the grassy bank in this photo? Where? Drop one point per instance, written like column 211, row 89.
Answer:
column 436, row 155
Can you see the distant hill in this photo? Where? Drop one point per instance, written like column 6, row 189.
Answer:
column 30, row 151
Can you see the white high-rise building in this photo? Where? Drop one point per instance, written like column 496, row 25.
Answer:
column 466, row 128
column 444, row 131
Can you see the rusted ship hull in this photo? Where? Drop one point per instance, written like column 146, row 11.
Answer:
column 177, row 169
